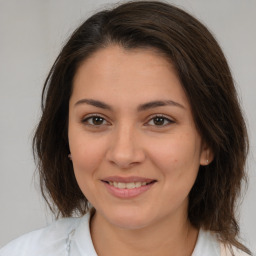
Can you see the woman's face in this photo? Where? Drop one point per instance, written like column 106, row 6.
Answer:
column 134, row 145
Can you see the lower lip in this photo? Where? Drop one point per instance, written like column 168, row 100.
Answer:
column 127, row 193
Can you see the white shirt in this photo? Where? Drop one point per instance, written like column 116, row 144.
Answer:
column 71, row 237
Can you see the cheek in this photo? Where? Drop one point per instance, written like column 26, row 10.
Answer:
column 87, row 155
column 177, row 161
column 177, row 154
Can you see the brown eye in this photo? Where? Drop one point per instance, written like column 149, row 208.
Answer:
column 160, row 121
column 95, row 121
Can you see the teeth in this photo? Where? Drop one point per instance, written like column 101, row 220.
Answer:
column 138, row 184
column 121, row 185
column 130, row 185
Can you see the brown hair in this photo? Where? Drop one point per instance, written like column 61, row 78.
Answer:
column 207, row 81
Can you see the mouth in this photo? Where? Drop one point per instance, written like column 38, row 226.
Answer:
column 128, row 187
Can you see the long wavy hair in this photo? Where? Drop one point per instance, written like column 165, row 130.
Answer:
column 207, row 82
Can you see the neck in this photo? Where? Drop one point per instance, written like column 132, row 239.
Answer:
column 166, row 238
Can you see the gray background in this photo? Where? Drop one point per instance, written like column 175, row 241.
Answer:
column 31, row 35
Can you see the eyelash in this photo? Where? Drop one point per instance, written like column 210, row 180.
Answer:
column 169, row 121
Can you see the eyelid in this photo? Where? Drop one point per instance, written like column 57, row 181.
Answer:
column 87, row 117
column 170, row 120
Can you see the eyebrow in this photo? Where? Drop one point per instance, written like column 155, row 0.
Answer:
column 142, row 107
column 159, row 103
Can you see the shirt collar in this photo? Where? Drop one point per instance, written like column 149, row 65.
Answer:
column 81, row 242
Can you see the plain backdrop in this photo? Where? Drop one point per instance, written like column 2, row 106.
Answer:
column 32, row 33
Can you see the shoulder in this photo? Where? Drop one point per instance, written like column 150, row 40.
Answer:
column 50, row 240
column 209, row 244
column 225, row 251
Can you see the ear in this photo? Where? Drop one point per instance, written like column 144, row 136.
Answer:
column 207, row 155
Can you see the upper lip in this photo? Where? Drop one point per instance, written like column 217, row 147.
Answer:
column 127, row 179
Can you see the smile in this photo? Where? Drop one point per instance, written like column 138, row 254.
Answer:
column 127, row 187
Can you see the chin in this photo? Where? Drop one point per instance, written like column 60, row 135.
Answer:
column 129, row 219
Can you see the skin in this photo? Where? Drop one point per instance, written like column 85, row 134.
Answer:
column 127, row 142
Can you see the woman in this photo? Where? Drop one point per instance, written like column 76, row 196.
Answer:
column 142, row 138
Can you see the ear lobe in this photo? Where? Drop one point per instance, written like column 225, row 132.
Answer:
column 207, row 155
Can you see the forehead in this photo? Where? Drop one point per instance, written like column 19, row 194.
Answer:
column 114, row 59
column 128, row 74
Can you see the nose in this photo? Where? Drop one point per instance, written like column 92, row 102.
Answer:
column 125, row 149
